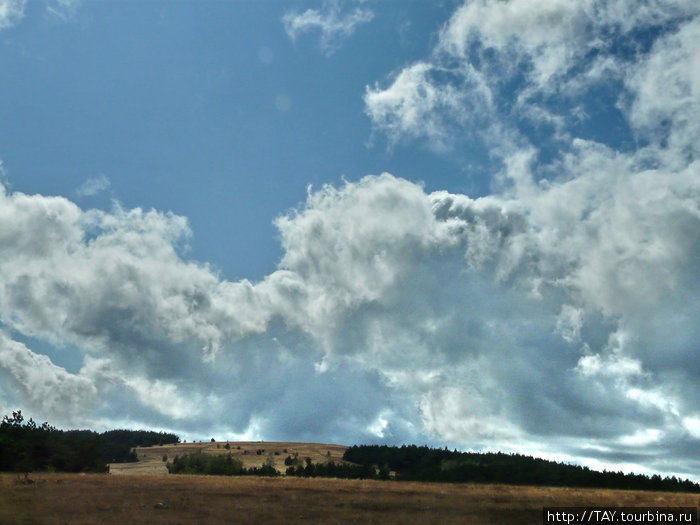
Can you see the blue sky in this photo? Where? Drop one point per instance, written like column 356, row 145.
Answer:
column 465, row 223
column 200, row 110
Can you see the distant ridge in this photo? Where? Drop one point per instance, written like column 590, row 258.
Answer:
column 26, row 447
column 430, row 464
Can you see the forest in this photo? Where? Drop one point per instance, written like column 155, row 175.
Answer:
column 26, row 446
column 414, row 463
column 423, row 463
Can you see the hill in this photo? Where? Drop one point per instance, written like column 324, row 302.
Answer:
column 152, row 460
column 27, row 447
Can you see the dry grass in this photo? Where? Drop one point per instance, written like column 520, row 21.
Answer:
column 108, row 500
column 150, row 459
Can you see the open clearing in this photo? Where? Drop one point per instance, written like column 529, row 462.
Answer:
column 155, row 499
column 150, row 459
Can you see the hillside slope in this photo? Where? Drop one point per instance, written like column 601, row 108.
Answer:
column 151, row 459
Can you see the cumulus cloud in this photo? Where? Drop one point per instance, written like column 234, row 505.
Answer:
column 33, row 379
column 665, row 92
column 556, row 315
column 114, row 286
column 602, row 237
column 552, row 38
column 549, row 34
column 406, row 312
column 334, row 24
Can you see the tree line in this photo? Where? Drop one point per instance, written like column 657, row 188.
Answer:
column 331, row 469
column 227, row 465
column 216, row 465
column 423, row 463
column 26, row 446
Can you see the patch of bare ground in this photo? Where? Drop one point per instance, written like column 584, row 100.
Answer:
column 153, row 499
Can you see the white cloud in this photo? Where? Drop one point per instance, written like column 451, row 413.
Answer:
column 552, row 37
column 11, row 12
column 93, row 186
column 559, row 312
column 550, row 33
column 570, row 322
column 692, row 424
column 471, row 413
column 642, row 437
column 665, row 91
column 416, row 105
column 63, row 9
column 417, row 297
column 333, row 24
column 164, row 397
column 614, row 231
column 534, row 62
column 3, row 174
column 616, row 366
column 32, row 380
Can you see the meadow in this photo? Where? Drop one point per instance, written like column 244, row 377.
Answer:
column 52, row 498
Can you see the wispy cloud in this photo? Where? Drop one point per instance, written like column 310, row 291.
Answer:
column 11, row 12
column 63, row 9
column 334, row 24
column 93, row 186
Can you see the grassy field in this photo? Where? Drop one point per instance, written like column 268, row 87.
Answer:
column 150, row 459
column 155, row 499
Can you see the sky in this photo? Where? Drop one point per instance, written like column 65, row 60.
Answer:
column 468, row 224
